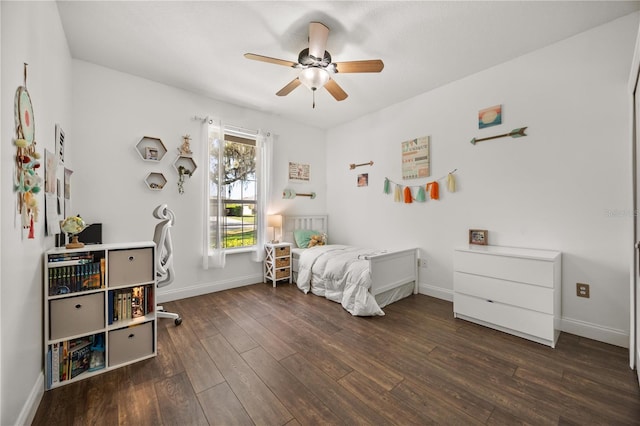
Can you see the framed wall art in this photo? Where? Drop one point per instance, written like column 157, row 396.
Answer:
column 491, row 116
column 415, row 158
column 478, row 236
column 299, row 172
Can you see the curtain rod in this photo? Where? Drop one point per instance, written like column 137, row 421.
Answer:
column 234, row 128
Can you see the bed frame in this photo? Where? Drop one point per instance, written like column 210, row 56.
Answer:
column 392, row 273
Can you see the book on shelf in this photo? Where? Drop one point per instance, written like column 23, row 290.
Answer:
column 129, row 303
column 70, row 358
column 74, row 278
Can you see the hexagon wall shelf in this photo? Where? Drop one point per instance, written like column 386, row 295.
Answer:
column 151, row 149
column 186, row 162
column 155, row 181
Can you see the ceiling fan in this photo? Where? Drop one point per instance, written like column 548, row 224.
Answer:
column 316, row 66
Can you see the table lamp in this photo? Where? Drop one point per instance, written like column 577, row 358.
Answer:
column 274, row 221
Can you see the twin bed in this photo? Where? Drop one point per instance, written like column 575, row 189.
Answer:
column 362, row 280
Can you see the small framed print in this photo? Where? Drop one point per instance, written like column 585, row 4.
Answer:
column 151, row 153
column 478, row 236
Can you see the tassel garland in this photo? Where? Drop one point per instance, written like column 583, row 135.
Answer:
column 387, row 186
column 404, row 194
column 434, row 190
column 451, row 183
column 397, row 194
column 408, row 197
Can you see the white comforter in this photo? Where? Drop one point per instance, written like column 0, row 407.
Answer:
column 339, row 273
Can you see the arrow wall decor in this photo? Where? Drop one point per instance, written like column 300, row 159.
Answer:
column 515, row 133
column 290, row 193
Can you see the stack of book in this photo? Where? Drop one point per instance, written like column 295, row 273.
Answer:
column 70, row 358
column 128, row 303
column 73, row 272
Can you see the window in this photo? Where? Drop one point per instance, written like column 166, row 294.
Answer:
column 233, row 189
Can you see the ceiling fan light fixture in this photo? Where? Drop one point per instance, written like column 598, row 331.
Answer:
column 314, row 78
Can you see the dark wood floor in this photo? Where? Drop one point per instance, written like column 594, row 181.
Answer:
column 259, row 355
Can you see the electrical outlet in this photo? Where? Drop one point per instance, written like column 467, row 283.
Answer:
column 582, row 290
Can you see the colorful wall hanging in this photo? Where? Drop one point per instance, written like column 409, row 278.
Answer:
column 418, row 193
column 491, row 116
column 27, row 182
column 415, row 158
column 515, row 133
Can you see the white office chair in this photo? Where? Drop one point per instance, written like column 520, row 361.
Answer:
column 164, row 256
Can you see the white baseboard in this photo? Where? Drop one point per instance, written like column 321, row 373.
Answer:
column 169, row 294
column 30, row 407
column 437, row 292
column 595, row 332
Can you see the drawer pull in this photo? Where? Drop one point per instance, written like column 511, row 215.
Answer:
column 131, row 336
column 490, row 301
column 78, row 306
column 131, row 258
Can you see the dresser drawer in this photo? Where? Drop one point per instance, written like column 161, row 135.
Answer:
column 512, row 293
column 133, row 266
column 76, row 315
column 128, row 344
column 510, row 317
column 524, row 270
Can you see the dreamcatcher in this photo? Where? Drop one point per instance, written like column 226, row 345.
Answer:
column 27, row 182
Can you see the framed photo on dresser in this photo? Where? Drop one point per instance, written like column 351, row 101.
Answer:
column 478, row 236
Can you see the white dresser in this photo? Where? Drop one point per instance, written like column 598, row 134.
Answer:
column 514, row 290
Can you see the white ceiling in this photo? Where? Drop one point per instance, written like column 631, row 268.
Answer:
column 199, row 45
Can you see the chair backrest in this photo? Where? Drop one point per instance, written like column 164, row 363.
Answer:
column 164, row 246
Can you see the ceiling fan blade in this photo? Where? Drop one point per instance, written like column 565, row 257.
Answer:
column 289, row 87
column 373, row 65
column 270, row 60
column 335, row 90
column 318, row 35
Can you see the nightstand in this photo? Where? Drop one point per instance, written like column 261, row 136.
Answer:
column 277, row 263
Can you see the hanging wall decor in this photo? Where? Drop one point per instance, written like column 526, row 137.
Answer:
column 353, row 165
column 515, row 133
column 290, row 193
column 27, row 182
column 410, row 193
column 415, row 158
column 491, row 116
column 299, row 173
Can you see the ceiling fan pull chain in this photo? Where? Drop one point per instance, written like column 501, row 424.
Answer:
column 314, row 98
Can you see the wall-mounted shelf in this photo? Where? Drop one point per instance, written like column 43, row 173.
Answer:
column 187, row 162
column 185, row 166
column 151, row 149
column 155, row 181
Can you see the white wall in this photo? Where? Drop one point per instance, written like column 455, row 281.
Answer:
column 112, row 111
column 566, row 186
column 31, row 32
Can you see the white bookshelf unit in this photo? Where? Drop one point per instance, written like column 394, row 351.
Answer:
column 99, row 309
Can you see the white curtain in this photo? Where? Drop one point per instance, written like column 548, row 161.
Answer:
column 264, row 150
column 213, row 140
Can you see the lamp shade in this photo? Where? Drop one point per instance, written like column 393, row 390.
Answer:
column 314, row 77
column 274, row 221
